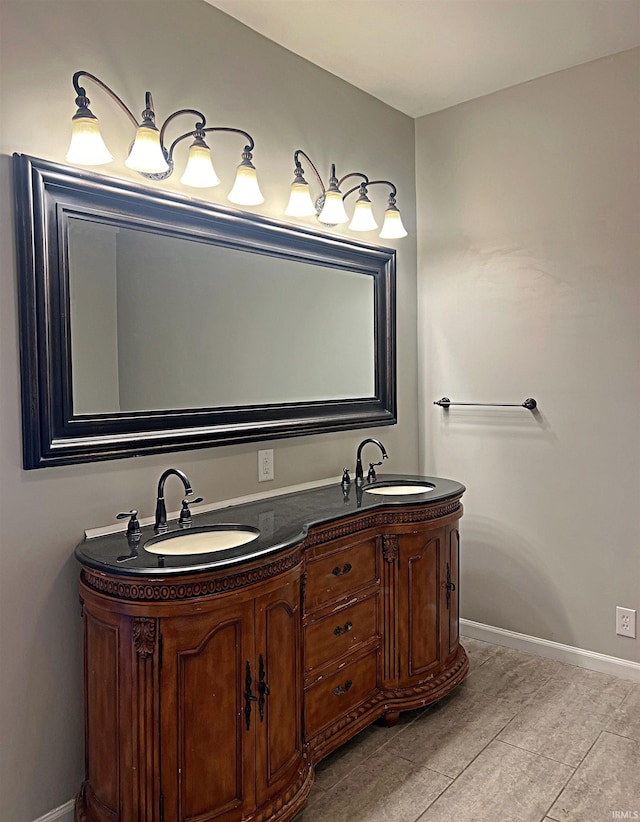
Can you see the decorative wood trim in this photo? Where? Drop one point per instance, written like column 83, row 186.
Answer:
column 286, row 803
column 144, row 740
column 388, row 517
column 389, row 598
column 150, row 590
column 144, row 636
column 88, row 807
column 390, row 547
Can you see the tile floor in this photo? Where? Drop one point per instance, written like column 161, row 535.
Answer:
column 523, row 739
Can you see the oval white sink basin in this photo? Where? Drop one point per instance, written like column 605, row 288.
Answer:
column 398, row 490
column 205, row 541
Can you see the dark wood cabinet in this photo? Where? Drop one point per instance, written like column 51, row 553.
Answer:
column 230, row 705
column 210, row 696
column 202, row 681
column 420, row 622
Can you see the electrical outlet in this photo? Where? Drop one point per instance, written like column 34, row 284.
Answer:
column 625, row 622
column 265, row 465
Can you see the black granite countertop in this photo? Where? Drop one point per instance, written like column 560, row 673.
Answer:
column 282, row 521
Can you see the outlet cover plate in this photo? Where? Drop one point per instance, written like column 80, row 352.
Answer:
column 265, row 465
column 626, row 622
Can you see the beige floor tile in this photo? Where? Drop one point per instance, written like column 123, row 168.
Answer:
column 504, row 784
column 626, row 719
column 477, row 651
column 600, row 693
column 384, row 788
column 559, row 722
column 341, row 762
column 449, row 735
column 512, row 675
column 607, row 781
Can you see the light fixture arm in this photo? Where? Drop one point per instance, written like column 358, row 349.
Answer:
column 82, row 101
column 200, row 124
column 368, row 183
column 353, row 174
column 200, row 131
column 250, row 143
column 299, row 171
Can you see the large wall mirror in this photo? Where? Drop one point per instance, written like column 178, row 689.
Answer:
column 152, row 322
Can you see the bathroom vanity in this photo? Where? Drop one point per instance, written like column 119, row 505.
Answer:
column 215, row 682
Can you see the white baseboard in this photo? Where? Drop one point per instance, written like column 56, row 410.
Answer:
column 592, row 660
column 62, row 814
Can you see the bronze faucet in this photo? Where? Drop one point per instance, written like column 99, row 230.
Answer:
column 161, row 526
column 359, row 471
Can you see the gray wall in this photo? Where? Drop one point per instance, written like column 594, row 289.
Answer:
column 529, row 285
column 187, row 54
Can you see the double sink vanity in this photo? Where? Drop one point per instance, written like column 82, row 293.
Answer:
column 226, row 657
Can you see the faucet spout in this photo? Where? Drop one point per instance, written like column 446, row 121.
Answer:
column 161, row 526
column 359, row 471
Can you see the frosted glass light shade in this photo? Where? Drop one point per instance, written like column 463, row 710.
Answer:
column 392, row 228
column 363, row 219
column 333, row 212
column 246, row 190
column 199, row 171
column 87, row 148
column 300, row 202
column 146, row 155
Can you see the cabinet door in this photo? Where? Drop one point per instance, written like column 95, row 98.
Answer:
column 278, row 685
column 420, row 599
column 207, row 750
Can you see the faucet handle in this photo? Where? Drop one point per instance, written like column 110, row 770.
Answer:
column 371, row 473
column 133, row 527
column 185, row 519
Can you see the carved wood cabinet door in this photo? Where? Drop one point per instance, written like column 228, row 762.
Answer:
column 421, row 648
column 207, row 743
column 278, row 686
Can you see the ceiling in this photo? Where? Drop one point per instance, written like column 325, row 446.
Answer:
column 421, row 56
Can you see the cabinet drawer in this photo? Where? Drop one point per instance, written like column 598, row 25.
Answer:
column 339, row 574
column 335, row 635
column 333, row 697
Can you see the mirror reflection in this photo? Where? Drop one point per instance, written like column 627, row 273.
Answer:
column 159, row 322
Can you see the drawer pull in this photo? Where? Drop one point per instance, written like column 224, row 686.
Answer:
column 339, row 630
column 338, row 572
column 342, row 689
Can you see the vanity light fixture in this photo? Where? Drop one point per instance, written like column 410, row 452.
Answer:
column 149, row 155
column 329, row 207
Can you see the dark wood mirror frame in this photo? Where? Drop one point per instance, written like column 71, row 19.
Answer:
column 46, row 196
